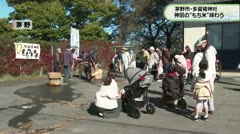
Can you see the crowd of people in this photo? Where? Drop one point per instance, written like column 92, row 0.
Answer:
column 70, row 60
column 170, row 68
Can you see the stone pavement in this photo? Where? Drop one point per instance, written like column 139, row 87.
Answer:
column 31, row 106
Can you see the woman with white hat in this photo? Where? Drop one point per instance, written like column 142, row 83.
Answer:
column 133, row 59
column 125, row 58
column 209, row 54
column 153, row 60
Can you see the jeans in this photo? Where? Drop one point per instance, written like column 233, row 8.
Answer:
column 211, row 100
column 67, row 72
column 165, row 68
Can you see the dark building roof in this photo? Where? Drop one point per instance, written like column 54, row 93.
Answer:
column 204, row 1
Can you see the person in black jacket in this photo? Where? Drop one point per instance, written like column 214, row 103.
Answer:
column 171, row 87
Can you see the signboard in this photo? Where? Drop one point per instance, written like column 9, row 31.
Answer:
column 203, row 12
column 27, row 51
column 22, row 24
column 74, row 41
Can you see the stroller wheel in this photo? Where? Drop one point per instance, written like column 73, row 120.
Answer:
column 150, row 109
column 182, row 104
column 135, row 113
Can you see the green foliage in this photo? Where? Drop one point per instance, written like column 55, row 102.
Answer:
column 52, row 19
column 92, row 32
column 83, row 12
column 48, row 19
column 4, row 27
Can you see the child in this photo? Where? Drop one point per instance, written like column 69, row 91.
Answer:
column 202, row 91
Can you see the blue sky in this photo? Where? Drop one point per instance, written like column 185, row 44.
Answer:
column 4, row 9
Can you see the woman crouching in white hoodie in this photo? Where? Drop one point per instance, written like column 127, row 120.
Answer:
column 108, row 98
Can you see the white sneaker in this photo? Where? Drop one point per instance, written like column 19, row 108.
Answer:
column 100, row 114
column 159, row 80
column 196, row 118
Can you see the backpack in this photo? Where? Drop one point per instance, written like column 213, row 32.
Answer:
column 178, row 68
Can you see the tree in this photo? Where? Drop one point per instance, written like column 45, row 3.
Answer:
column 94, row 14
column 48, row 19
column 4, row 28
column 92, row 32
column 52, row 19
column 144, row 20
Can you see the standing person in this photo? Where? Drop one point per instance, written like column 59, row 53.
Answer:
column 160, row 66
column 117, row 61
column 171, row 87
column 202, row 90
column 144, row 58
column 57, row 61
column 126, row 59
column 165, row 58
column 68, row 61
column 195, row 64
column 188, row 53
column 93, row 58
column 133, row 59
column 153, row 61
column 209, row 52
column 83, row 64
column 75, row 61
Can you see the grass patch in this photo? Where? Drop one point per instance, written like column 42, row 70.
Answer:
column 8, row 77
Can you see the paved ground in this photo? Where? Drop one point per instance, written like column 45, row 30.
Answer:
column 31, row 106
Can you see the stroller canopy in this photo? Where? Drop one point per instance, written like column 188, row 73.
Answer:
column 134, row 74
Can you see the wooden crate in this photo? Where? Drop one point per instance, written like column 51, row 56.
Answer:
column 54, row 75
column 55, row 82
column 54, row 78
column 98, row 74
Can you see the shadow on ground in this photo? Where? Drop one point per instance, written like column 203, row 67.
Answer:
column 229, row 83
column 40, row 95
column 234, row 89
column 183, row 112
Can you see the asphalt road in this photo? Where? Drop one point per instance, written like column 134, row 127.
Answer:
column 31, row 106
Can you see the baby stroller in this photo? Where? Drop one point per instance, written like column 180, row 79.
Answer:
column 172, row 94
column 135, row 96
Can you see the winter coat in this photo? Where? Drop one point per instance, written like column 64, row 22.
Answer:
column 106, row 97
column 68, row 58
column 202, row 88
column 195, row 64
column 211, row 57
column 126, row 59
column 171, row 87
column 166, row 57
column 153, row 60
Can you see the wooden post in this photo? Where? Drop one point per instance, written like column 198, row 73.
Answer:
column 41, row 71
column 20, row 68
